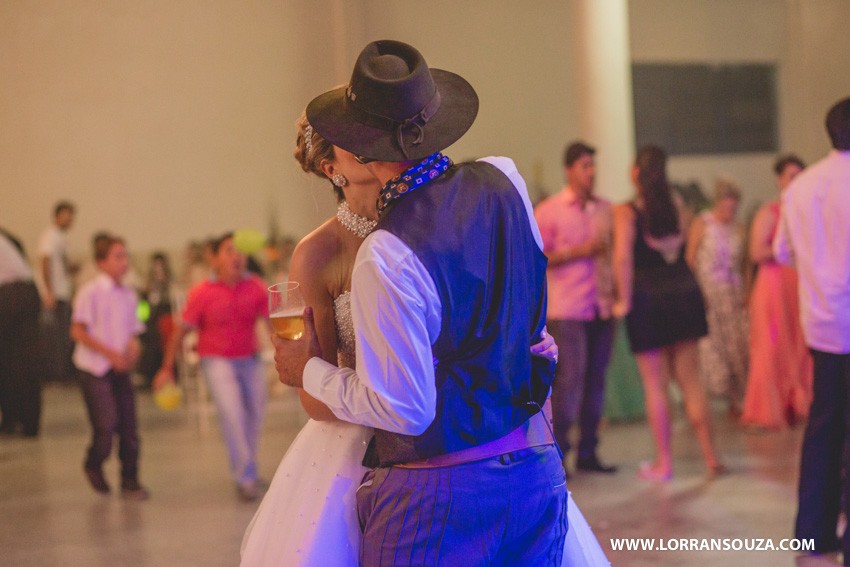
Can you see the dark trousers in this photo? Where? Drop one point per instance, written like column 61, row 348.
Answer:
column 111, row 405
column 578, row 392
column 506, row 510
column 20, row 373
column 57, row 346
column 825, row 454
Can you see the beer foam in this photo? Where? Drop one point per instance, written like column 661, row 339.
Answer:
column 290, row 312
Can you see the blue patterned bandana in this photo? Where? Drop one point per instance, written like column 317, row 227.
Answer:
column 417, row 176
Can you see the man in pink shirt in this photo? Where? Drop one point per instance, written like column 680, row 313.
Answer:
column 576, row 229
column 224, row 310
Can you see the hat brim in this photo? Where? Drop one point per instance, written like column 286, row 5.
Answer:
column 331, row 117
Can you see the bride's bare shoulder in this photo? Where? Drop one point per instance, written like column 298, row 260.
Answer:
column 316, row 250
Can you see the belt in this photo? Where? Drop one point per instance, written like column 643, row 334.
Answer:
column 533, row 433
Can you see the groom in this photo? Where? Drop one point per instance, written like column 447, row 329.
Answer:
column 448, row 294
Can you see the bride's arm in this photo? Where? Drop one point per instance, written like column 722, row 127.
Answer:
column 311, row 266
column 623, row 263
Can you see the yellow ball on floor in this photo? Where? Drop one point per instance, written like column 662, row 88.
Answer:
column 168, row 397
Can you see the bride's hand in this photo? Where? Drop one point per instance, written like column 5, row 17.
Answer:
column 291, row 356
column 546, row 347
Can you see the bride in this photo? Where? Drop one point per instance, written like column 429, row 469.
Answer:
column 308, row 516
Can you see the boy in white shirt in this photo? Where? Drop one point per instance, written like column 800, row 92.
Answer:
column 105, row 327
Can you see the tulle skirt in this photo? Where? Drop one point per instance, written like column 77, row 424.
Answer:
column 308, row 516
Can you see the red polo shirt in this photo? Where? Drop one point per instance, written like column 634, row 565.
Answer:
column 224, row 316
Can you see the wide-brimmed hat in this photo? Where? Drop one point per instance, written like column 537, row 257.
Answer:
column 395, row 108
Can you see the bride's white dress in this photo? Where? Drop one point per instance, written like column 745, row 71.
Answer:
column 308, row 516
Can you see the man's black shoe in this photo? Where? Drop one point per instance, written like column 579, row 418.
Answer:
column 593, row 465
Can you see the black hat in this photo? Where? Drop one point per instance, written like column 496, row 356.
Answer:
column 395, row 108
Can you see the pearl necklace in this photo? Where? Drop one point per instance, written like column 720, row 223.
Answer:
column 354, row 223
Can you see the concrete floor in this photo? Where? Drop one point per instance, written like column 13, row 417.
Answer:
column 51, row 517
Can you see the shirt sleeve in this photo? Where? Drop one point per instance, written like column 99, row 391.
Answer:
column 191, row 316
column 45, row 244
column 782, row 247
column 508, row 167
column 262, row 299
column 396, row 312
column 82, row 310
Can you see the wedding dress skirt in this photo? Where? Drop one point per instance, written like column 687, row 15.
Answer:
column 308, row 516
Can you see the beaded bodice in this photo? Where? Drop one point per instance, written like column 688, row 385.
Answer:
column 344, row 330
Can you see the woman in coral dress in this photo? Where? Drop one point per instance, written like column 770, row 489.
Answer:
column 779, row 385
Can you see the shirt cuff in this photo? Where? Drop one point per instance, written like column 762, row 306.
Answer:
column 316, row 373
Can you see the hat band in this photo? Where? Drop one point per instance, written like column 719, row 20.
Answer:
column 418, row 120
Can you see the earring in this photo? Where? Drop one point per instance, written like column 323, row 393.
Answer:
column 339, row 180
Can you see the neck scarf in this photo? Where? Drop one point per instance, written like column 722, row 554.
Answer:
column 417, row 176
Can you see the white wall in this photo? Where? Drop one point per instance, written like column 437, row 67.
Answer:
column 805, row 39
column 166, row 120
column 161, row 120
column 517, row 56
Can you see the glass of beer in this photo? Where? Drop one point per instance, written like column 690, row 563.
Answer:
column 286, row 310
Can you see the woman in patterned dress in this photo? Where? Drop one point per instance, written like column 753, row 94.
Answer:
column 715, row 254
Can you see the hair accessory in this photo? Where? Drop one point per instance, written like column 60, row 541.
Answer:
column 308, row 138
column 354, row 223
column 339, row 180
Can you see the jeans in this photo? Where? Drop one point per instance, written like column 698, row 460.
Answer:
column 111, row 405
column 238, row 388
column 506, row 510
column 578, row 392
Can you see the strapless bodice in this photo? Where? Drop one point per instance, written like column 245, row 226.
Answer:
column 344, row 330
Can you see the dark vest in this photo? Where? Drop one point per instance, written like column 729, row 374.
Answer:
column 470, row 230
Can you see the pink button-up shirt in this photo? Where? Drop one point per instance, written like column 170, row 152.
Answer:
column 582, row 288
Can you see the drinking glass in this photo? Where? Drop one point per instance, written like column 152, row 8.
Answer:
column 286, row 310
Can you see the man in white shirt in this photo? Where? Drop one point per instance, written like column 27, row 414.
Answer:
column 814, row 236
column 54, row 277
column 448, row 295
column 20, row 390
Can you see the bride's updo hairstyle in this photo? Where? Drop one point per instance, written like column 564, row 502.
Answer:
column 661, row 217
column 311, row 153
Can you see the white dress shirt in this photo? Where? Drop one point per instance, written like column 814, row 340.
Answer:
column 814, row 236
column 108, row 310
column 53, row 245
column 397, row 317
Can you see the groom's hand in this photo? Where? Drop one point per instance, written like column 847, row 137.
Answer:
column 291, row 356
